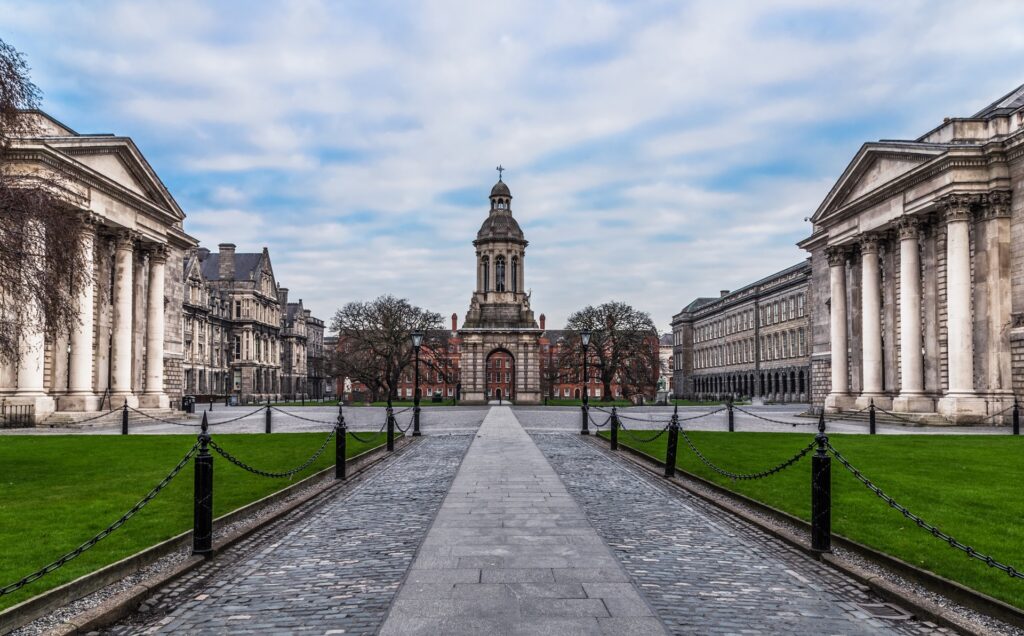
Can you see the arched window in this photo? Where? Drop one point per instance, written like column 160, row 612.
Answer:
column 515, row 273
column 486, row 264
column 499, row 274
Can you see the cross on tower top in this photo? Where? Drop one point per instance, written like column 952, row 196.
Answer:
column 500, row 170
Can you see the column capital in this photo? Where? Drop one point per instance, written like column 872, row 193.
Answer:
column 907, row 227
column 157, row 252
column 836, row 255
column 124, row 239
column 995, row 205
column 869, row 243
column 957, row 206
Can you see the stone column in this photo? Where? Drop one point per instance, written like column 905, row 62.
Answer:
column 32, row 343
column 871, row 325
column 912, row 397
column 960, row 401
column 998, row 381
column 154, row 396
column 839, row 395
column 121, row 385
column 81, row 396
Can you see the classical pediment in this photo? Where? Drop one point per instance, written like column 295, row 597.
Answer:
column 119, row 161
column 875, row 166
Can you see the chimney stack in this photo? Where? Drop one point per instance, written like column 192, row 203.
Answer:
column 282, row 297
column 227, row 261
column 543, row 319
column 202, row 253
column 724, row 292
column 455, row 322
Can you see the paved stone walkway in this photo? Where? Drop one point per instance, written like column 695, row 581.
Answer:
column 510, row 552
column 334, row 571
column 702, row 570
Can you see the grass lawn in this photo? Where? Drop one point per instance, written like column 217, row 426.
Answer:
column 59, row 491
column 968, row 486
column 594, row 402
column 706, row 403
column 300, row 403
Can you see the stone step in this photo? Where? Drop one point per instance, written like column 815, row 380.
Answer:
column 76, row 418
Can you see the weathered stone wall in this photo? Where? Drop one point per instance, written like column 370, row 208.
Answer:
column 174, row 298
column 818, row 307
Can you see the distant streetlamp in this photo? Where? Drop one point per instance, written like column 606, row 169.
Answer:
column 585, row 339
column 417, row 340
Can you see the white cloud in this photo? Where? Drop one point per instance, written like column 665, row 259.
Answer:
column 645, row 141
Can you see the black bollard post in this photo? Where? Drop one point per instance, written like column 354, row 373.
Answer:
column 871, row 418
column 124, row 418
column 673, row 442
column 391, row 429
column 227, row 400
column 585, row 412
column 202, row 519
column 211, row 403
column 340, row 442
column 615, row 428
column 267, row 426
column 731, row 425
column 821, row 493
column 1016, row 417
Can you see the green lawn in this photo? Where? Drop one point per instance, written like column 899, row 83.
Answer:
column 306, row 403
column 59, row 491
column 593, row 402
column 968, row 486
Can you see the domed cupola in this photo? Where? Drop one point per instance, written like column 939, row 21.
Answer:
column 499, row 224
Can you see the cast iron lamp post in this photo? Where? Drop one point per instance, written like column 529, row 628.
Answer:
column 417, row 340
column 585, row 339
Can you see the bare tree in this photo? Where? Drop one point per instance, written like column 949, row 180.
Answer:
column 42, row 266
column 374, row 344
column 620, row 348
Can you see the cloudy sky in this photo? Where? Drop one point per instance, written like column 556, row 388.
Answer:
column 656, row 151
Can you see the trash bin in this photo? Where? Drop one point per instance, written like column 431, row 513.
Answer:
column 234, row 400
column 188, row 404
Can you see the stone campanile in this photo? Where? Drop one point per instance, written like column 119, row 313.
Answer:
column 500, row 334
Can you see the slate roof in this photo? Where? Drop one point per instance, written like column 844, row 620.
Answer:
column 1004, row 105
column 245, row 266
column 500, row 226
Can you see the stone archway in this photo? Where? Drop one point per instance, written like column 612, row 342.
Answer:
column 500, row 375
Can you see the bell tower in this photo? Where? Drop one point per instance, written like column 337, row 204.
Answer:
column 500, row 319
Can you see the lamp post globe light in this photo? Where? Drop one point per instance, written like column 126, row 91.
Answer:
column 417, row 340
column 585, row 339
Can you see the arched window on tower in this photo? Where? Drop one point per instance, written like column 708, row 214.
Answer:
column 499, row 274
column 515, row 273
column 485, row 264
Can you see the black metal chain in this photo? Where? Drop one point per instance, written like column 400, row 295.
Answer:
column 921, row 523
column 697, row 417
column 594, row 422
column 160, row 419
column 773, row 421
column 647, row 441
column 305, row 419
column 96, row 417
column 103, row 534
column 240, row 417
column 263, row 473
column 759, row 475
column 379, row 431
column 407, row 426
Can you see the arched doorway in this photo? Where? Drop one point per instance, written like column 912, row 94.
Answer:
column 501, row 375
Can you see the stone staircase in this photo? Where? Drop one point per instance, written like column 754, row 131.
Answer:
column 73, row 419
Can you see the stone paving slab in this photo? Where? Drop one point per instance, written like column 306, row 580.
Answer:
column 701, row 569
column 510, row 552
column 333, row 571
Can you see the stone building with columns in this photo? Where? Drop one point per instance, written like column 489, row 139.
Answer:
column 753, row 341
column 917, row 283
column 128, row 345
column 500, row 330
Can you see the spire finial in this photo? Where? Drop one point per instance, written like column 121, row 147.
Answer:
column 500, row 170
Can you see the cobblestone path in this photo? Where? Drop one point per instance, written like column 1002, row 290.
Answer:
column 333, row 571
column 510, row 552
column 702, row 570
